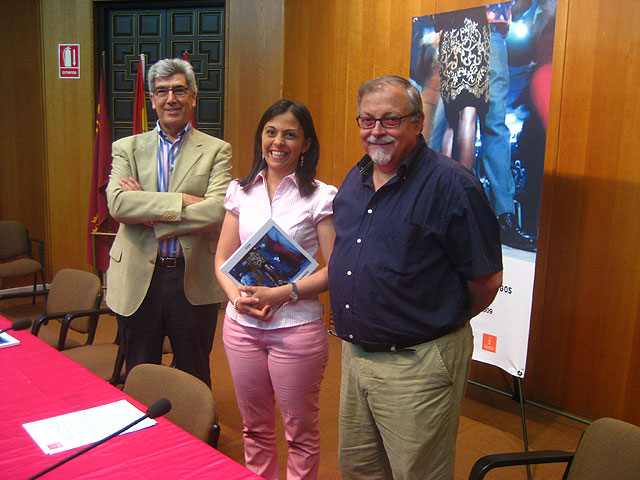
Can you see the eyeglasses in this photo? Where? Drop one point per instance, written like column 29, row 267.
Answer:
column 179, row 91
column 367, row 123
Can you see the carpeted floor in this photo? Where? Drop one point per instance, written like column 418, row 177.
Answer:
column 490, row 423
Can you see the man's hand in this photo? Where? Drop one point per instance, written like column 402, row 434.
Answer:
column 130, row 184
column 482, row 290
column 190, row 199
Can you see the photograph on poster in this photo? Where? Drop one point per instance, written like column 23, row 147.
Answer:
column 484, row 74
column 485, row 78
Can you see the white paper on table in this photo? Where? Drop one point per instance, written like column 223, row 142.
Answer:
column 76, row 429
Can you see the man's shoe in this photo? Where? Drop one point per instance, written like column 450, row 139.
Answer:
column 512, row 235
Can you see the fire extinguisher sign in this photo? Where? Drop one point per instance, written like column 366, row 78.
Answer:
column 68, row 60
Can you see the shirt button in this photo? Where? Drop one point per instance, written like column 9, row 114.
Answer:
column 348, row 272
column 369, row 211
column 359, row 240
column 350, row 336
column 347, row 306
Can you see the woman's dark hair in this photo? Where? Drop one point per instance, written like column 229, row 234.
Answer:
column 305, row 174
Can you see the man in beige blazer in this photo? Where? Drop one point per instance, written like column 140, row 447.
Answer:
column 166, row 189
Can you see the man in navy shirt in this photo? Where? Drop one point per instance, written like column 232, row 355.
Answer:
column 417, row 255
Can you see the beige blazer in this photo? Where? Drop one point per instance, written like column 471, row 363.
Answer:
column 203, row 169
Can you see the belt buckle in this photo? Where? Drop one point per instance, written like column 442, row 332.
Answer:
column 395, row 349
column 169, row 262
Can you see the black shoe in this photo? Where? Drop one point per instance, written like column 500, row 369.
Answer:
column 512, row 235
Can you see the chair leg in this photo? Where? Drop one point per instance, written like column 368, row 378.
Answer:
column 35, row 284
column 44, row 285
column 35, row 287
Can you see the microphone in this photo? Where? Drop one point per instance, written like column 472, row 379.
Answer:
column 21, row 324
column 156, row 409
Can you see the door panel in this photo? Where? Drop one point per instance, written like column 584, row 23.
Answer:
column 163, row 33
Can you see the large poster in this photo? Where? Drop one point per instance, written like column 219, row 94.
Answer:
column 484, row 74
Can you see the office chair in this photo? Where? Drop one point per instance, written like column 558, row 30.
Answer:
column 193, row 404
column 17, row 255
column 608, row 450
column 73, row 299
column 106, row 360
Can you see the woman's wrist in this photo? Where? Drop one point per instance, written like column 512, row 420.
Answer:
column 235, row 304
column 288, row 291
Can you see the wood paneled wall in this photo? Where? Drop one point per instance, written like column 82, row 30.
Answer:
column 254, row 72
column 69, row 130
column 585, row 325
column 587, row 321
column 22, row 179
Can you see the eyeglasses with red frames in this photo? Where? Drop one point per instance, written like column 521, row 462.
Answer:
column 367, row 123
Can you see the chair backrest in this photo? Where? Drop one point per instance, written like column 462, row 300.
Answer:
column 193, row 405
column 608, row 450
column 14, row 240
column 73, row 290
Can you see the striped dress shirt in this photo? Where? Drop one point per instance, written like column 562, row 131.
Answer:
column 168, row 153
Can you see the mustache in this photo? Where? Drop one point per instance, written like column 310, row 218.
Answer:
column 372, row 140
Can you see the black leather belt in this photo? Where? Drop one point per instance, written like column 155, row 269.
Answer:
column 169, row 262
column 386, row 348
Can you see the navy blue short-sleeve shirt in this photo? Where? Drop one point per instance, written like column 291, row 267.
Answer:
column 403, row 254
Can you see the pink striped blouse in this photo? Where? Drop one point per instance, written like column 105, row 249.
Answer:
column 298, row 216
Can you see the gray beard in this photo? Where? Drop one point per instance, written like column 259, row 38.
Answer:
column 380, row 157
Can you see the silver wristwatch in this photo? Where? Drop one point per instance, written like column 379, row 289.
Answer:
column 294, row 293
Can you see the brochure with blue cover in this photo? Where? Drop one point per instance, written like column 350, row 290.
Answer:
column 269, row 258
column 7, row 340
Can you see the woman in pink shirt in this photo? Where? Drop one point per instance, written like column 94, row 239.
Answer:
column 274, row 337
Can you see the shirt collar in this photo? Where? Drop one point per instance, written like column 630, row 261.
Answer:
column 187, row 128
column 262, row 175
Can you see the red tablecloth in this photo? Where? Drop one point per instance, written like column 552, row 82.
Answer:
column 37, row 382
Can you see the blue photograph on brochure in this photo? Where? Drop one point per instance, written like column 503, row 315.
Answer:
column 270, row 259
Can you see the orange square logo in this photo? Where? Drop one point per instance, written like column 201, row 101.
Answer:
column 489, row 342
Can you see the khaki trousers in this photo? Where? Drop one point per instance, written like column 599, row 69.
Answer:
column 399, row 412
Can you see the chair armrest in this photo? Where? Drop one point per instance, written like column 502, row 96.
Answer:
column 66, row 323
column 214, row 435
column 44, row 319
column 489, row 462
column 91, row 311
column 40, row 244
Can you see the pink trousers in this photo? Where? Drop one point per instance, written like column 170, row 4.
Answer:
column 284, row 365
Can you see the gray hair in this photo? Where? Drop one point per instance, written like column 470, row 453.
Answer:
column 379, row 83
column 170, row 66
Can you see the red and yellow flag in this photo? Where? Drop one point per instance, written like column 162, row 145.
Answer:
column 140, row 104
column 99, row 220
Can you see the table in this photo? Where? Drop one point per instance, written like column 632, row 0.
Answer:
column 37, row 382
